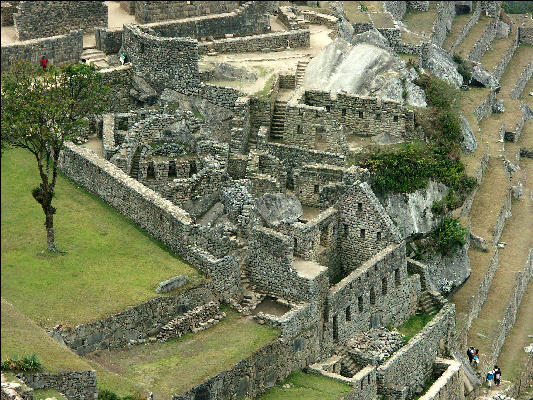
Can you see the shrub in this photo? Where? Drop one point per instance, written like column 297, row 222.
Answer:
column 105, row 394
column 463, row 68
column 26, row 364
column 449, row 234
column 438, row 92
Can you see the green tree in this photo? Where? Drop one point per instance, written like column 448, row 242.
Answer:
column 41, row 111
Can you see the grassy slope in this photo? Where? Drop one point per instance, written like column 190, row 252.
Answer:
column 307, row 386
column 21, row 336
column 176, row 366
column 110, row 263
column 414, row 325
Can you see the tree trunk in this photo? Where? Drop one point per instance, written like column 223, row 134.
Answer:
column 49, row 224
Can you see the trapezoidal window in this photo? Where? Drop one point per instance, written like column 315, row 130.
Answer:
column 397, row 279
column 363, row 233
column 372, row 296
column 395, row 118
column 378, row 235
column 359, row 207
column 172, row 173
column 346, row 229
column 361, row 115
column 150, row 173
column 316, row 189
column 384, row 286
column 299, row 129
column 378, row 117
column 343, row 111
column 360, row 303
column 335, row 328
column 348, row 314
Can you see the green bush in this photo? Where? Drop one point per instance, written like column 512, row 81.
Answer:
column 463, row 68
column 26, row 364
column 518, row 7
column 449, row 234
column 439, row 93
column 105, row 394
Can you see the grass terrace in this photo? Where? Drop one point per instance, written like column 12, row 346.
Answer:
column 414, row 325
column 307, row 386
column 110, row 263
column 473, row 36
column 458, row 24
column 21, row 336
column 421, row 21
column 43, row 394
column 178, row 365
column 499, row 47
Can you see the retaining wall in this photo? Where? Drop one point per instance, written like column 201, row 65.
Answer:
column 75, row 385
column 412, row 364
column 138, row 322
column 255, row 374
column 525, row 35
column 159, row 217
column 448, row 386
column 484, row 43
column 485, row 108
column 153, row 11
column 37, row 19
column 443, row 22
column 466, row 29
column 109, row 40
column 63, row 49
column 520, row 85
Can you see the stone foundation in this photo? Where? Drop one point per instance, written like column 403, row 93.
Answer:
column 75, row 385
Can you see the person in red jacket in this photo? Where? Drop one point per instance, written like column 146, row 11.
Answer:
column 44, row 62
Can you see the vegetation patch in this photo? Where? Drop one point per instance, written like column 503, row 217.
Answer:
column 518, row 7
column 263, row 94
column 449, row 234
column 25, row 364
column 101, row 273
column 299, row 385
column 414, row 325
column 463, row 68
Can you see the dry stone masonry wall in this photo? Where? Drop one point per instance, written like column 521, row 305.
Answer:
column 37, row 19
column 154, row 11
column 75, row 385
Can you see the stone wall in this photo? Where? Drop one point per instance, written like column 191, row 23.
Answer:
column 485, row 108
column 270, row 267
column 249, row 19
column 443, row 22
column 499, row 69
column 8, row 9
column 376, row 294
column 137, row 322
column 449, row 385
column 75, row 385
column 298, row 319
column 413, row 364
column 485, row 42
column 396, row 8
column 159, row 217
column 163, row 62
column 466, row 29
column 37, row 19
column 64, row 49
column 524, row 78
column 255, row 374
column 507, row 322
column 109, row 40
column 294, row 39
column 525, row 35
column 363, row 383
column 154, row 11
column 365, row 116
column 320, row 19
column 119, row 80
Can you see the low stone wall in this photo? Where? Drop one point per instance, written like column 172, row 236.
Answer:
column 159, row 217
column 299, row 38
column 138, row 322
column 512, row 133
column 525, row 35
column 59, row 50
column 291, row 323
column 443, row 22
column 363, row 383
column 509, row 317
column 75, row 385
column 396, row 8
column 520, row 85
column 412, row 365
column 466, row 30
column 450, row 385
column 153, row 11
column 320, row 19
column 485, row 108
column 484, row 43
column 499, row 69
column 119, row 80
column 109, row 40
column 255, row 374
column 38, row 19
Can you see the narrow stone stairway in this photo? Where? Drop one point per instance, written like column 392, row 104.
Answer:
column 134, row 172
column 94, row 56
column 277, row 126
column 300, row 72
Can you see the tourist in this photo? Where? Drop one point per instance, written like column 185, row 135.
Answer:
column 490, row 377
column 470, row 354
column 44, row 62
column 497, row 376
column 122, row 57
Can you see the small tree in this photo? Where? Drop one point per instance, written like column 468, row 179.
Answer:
column 41, row 110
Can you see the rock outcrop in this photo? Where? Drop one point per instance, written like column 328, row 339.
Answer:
column 277, row 208
column 440, row 63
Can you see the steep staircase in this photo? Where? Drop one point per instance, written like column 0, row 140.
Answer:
column 278, row 120
column 134, row 172
column 94, row 56
column 348, row 367
column 427, row 303
column 300, row 72
column 251, row 298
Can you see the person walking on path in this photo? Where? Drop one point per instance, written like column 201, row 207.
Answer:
column 476, row 356
column 44, row 62
column 470, row 354
column 497, row 376
column 490, row 377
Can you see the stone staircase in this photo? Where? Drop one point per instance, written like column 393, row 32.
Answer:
column 96, row 57
column 300, row 72
column 427, row 303
column 251, row 298
column 277, row 126
column 348, row 367
column 134, row 172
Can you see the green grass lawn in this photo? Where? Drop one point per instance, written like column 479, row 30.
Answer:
column 307, row 386
column 414, row 325
column 21, row 337
column 42, row 394
column 178, row 365
column 110, row 263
